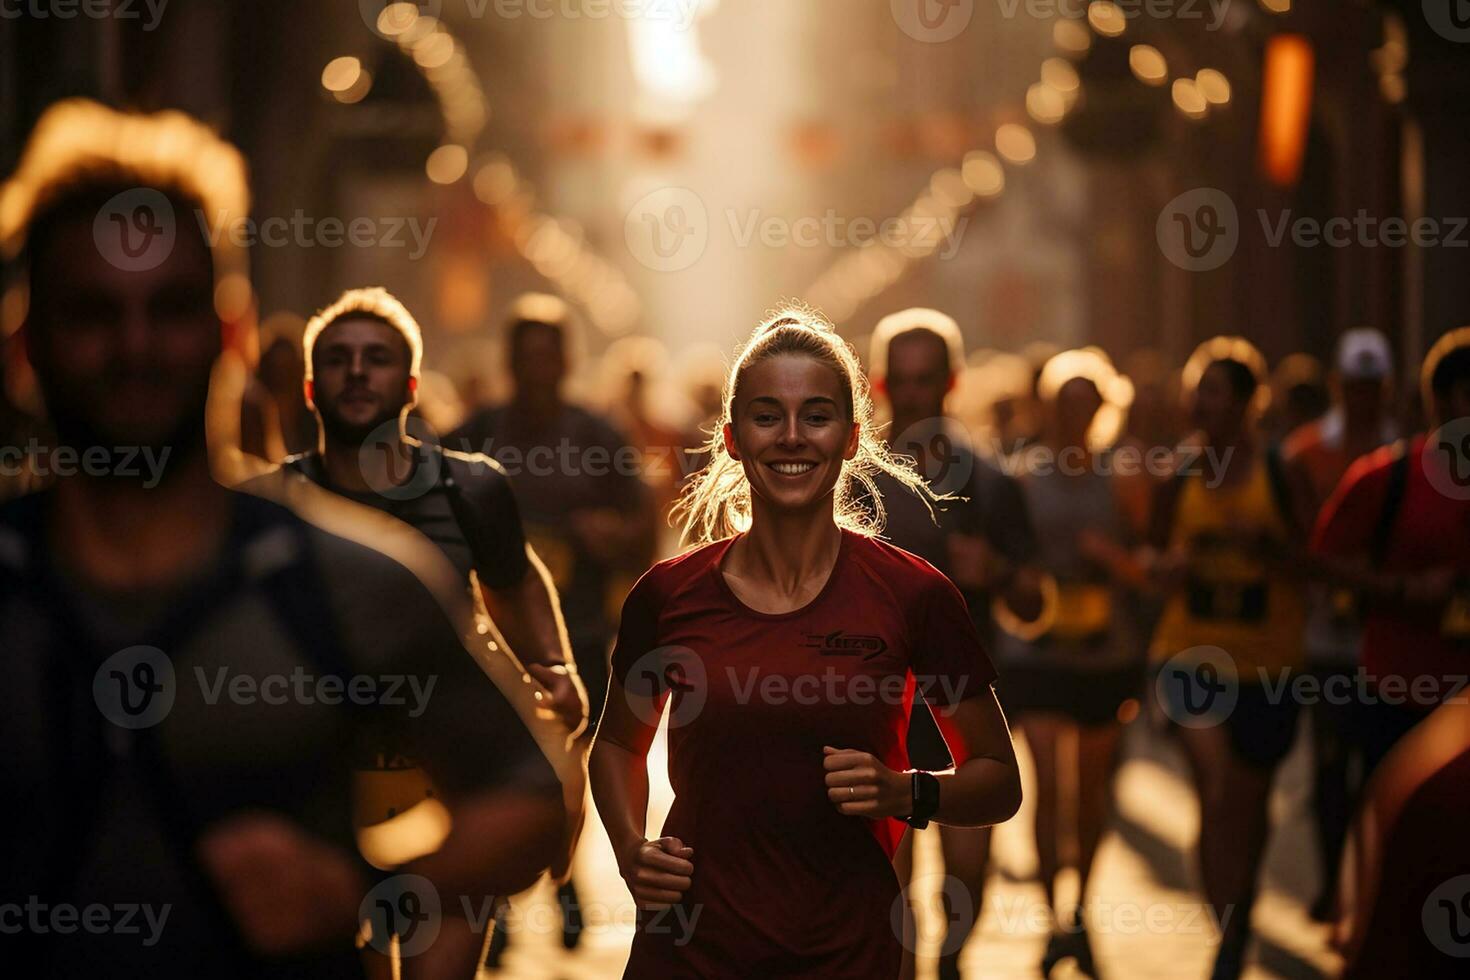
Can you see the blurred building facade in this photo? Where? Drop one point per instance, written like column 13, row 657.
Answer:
column 787, row 131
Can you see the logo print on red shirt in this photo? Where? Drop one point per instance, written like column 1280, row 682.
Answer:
column 840, row 644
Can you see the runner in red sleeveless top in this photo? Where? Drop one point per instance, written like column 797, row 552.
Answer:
column 793, row 644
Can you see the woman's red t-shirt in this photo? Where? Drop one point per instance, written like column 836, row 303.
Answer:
column 783, row 884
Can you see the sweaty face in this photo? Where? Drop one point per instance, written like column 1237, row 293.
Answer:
column 791, row 431
column 360, row 370
column 918, row 374
column 123, row 356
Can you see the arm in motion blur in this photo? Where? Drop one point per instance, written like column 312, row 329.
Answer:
column 528, row 614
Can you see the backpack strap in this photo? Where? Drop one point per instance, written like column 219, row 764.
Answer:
column 1280, row 488
column 1164, row 506
column 1393, row 498
column 308, row 464
column 455, row 474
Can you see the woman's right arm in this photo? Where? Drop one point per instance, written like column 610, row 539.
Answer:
column 657, row 872
column 618, row 770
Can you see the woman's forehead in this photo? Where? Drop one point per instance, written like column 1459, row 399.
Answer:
column 790, row 377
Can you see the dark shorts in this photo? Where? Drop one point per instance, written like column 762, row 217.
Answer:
column 1086, row 697
column 1262, row 730
column 1377, row 728
column 1093, row 698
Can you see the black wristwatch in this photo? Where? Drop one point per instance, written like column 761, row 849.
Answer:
column 926, row 800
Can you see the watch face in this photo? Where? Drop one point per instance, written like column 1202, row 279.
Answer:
column 925, row 800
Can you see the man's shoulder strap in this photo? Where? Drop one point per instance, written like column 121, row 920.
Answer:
column 308, row 464
column 1393, row 498
column 1276, row 478
column 464, row 478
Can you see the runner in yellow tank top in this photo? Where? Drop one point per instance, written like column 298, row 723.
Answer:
column 1231, row 596
column 1228, row 540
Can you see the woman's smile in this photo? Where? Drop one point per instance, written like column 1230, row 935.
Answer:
column 792, row 468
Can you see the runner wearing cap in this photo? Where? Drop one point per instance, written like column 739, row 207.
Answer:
column 1397, row 530
column 1315, row 456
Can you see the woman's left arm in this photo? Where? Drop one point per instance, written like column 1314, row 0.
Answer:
column 983, row 789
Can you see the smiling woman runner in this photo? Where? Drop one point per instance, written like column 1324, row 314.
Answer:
column 793, row 642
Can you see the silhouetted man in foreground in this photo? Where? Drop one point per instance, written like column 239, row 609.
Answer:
column 193, row 675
